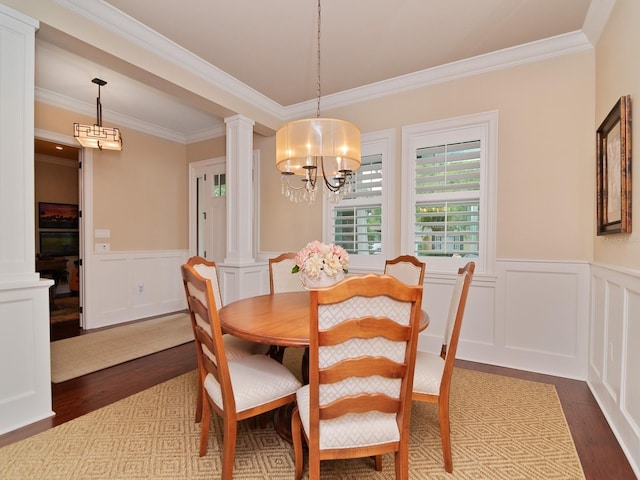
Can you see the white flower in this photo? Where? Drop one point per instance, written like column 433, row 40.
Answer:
column 317, row 258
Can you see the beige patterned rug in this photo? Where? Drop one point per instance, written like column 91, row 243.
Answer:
column 502, row 429
column 77, row 356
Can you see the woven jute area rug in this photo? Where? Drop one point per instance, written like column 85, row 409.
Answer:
column 502, row 428
column 77, row 356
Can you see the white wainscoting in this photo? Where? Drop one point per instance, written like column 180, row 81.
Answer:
column 530, row 315
column 127, row 286
column 25, row 369
column 614, row 353
column 243, row 281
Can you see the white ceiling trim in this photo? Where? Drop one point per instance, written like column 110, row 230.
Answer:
column 122, row 25
column 56, row 137
column 127, row 27
column 116, row 119
column 597, row 18
column 531, row 52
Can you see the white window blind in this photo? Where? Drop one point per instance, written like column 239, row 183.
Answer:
column 357, row 221
column 447, row 208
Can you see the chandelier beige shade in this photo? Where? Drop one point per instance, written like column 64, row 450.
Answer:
column 300, row 142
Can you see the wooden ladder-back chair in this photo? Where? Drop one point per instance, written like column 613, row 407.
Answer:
column 280, row 277
column 363, row 338
column 234, row 347
column 432, row 378
column 406, row 268
column 234, row 389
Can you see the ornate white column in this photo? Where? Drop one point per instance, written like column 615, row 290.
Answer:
column 239, row 190
column 241, row 276
column 25, row 389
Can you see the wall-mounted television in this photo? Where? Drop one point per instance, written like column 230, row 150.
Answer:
column 59, row 244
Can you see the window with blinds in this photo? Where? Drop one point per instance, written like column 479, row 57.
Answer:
column 447, row 199
column 356, row 222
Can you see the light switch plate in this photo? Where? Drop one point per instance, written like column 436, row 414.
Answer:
column 102, row 247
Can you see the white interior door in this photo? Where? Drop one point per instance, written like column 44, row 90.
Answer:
column 211, row 208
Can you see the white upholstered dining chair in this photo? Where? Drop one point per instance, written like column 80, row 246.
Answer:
column 433, row 373
column 363, row 338
column 406, row 268
column 235, row 389
column 280, row 277
column 234, row 347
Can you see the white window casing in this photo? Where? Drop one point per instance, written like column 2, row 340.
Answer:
column 449, row 195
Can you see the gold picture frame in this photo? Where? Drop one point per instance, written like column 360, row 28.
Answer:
column 614, row 170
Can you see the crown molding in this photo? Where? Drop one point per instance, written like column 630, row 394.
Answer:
column 597, row 18
column 73, row 105
column 126, row 27
column 129, row 28
column 528, row 53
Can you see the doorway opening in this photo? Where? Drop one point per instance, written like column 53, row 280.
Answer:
column 57, row 232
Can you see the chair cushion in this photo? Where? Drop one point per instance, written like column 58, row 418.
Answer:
column 237, row 347
column 256, row 380
column 428, row 373
column 351, row 430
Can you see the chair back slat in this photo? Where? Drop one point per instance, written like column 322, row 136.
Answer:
column 368, row 327
column 360, row 404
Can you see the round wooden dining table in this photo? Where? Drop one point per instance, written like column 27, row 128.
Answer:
column 280, row 319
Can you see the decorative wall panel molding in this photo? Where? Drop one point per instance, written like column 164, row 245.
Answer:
column 614, row 353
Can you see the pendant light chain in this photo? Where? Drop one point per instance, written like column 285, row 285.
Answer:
column 318, row 66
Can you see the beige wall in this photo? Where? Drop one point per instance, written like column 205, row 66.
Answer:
column 213, row 148
column 55, row 181
column 618, row 74
column 140, row 193
column 546, row 164
column 545, row 156
column 284, row 226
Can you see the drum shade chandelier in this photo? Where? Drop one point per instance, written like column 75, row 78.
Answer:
column 327, row 144
column 97, row 136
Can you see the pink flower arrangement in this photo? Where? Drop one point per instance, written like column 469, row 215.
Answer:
column 318, row 257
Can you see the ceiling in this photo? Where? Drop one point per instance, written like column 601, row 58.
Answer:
column 269, row 48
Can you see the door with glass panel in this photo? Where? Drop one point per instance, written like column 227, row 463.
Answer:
column 211, row 210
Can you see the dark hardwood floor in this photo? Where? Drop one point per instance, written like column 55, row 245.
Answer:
column 599, row 451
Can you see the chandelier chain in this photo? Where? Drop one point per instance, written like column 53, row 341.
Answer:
column 318, row 65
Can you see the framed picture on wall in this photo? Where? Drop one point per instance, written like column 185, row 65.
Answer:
column 614, row 170
column 57, row 215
